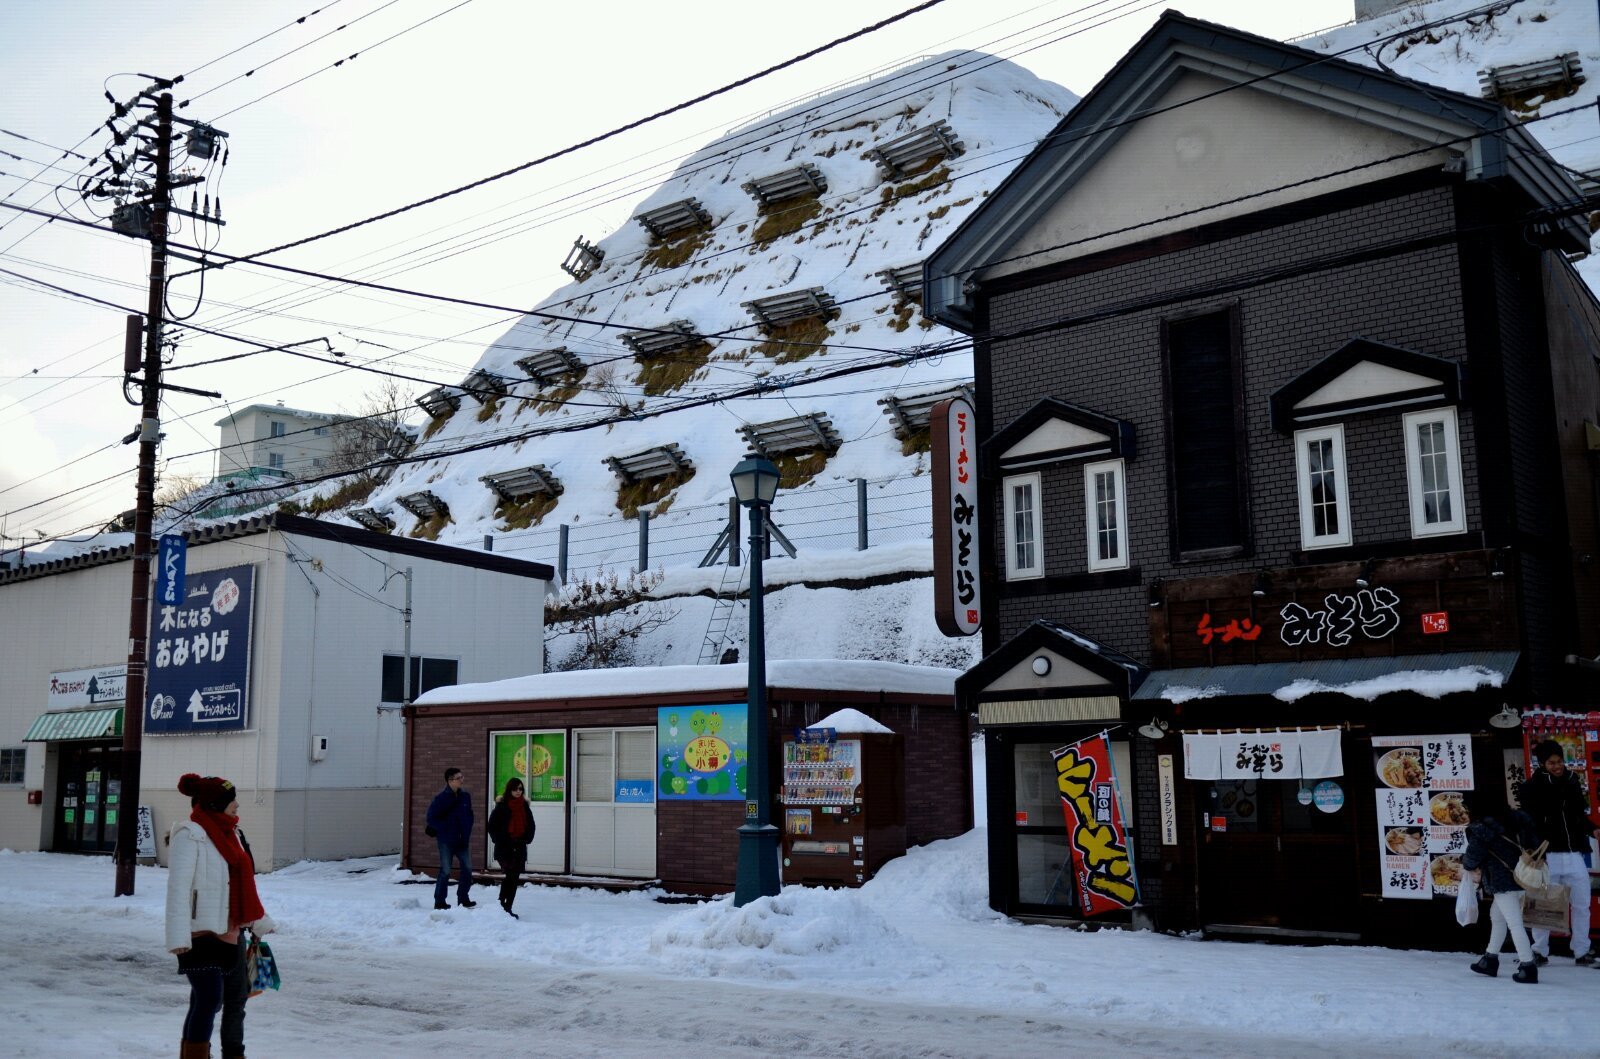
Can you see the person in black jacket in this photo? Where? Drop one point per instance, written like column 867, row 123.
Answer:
column 450, row 822
column 1494, row 844
column 511, row 829
column 1555, row 799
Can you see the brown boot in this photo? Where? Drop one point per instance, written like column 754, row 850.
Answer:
column 194, row 1050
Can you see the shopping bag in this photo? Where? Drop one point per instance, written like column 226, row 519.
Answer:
column 1467, row 903
column 263, row 968
column 1548, row 909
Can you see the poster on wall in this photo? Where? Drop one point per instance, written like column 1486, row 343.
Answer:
column 1102, row 858
column 704, row 751
column 199, row 656
column 538, row 758
column 1422, row 818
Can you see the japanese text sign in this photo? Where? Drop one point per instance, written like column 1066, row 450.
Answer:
column 953, row 437
column 703, row 752
column 170, row 565
column 1101, row 854
column 199, row 656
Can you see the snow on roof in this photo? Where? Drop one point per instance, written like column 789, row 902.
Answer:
column 811, row 675
column 852, row 721
column 1432, row 684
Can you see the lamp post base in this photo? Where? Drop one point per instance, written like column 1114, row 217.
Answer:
column 758, row 864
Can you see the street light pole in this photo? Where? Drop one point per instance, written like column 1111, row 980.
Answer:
column 755, row 482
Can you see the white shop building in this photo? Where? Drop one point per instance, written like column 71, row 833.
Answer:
column 281, row 670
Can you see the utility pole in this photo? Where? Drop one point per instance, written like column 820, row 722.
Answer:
column 151, row 139
column 127, row 852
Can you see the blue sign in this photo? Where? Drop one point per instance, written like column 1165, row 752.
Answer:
column 816, row 735
column 199, row 658
column 1329, row 796
column 635, row 792
column 169, row 569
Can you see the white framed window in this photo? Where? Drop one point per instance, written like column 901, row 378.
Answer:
column 1105, row 515
column 1320, row 482
column 277, row 429
column 1433, row 472
column 275, row 460
column 1024, row 527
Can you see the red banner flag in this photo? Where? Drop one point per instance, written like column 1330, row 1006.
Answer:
column 1101, row 858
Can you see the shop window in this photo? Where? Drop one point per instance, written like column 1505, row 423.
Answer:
column 616, row 765
column 1320, row 482
column 13, row 759
column 1210, row 505
column 426, row 674
column 277, row 429
column 1433, row 473
column 1105, row 513
column 1024, row 527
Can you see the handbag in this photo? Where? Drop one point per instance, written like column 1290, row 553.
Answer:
column 1467, row 903
column 262, row 967
column 1532, row 872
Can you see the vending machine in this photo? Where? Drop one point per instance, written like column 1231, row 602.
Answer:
column 1579, row 736
column 843, row 803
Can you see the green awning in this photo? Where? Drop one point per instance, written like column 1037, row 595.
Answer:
column 56, row 725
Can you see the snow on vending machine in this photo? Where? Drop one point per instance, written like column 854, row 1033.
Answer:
column 1579, row 736
column 843, row 803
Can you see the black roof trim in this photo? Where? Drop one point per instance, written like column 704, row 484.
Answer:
column 300, row 527
column 1120, row 434
column 1124, row 674
column 1448, row 377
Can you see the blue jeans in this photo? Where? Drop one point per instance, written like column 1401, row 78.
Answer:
column 212, row 988
column 441, row 885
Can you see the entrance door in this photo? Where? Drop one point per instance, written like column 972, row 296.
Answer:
column 539, row 759
column 1273, row 862
column 614, row 811
column 88, row 799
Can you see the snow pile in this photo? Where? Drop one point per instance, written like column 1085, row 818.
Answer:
column 852, row 721
column 1181, row 693
column 797, row 922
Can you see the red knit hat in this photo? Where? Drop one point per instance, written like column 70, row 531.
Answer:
column 208, row 792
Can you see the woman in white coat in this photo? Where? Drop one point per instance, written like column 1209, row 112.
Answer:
column 211, row 898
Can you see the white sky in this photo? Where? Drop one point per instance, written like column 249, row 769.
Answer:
column 482, row 88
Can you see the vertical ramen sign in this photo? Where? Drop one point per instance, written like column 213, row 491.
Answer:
column 953, row 441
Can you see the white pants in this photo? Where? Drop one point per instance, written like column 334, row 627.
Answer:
column 1505, row 914
column 1568, row 869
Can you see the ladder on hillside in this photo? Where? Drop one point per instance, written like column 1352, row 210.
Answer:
column 730, row 601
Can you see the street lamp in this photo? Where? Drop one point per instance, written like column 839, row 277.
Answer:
column 755, row 483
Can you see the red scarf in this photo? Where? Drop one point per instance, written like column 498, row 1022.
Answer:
column 517, row 821
column 244, row 907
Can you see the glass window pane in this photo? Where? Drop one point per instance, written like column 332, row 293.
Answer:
column 595, row 776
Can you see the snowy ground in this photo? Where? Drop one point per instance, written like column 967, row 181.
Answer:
column 914, row 964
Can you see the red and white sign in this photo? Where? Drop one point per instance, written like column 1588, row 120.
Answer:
column 952, row 429
column 1435, row 623
column 1102, row 856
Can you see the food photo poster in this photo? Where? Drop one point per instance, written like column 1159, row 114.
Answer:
column 1422, row 821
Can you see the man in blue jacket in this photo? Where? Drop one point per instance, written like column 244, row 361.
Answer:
column 450, row 823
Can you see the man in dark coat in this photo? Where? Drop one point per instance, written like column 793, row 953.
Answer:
column 450, row 823
column 1554, row 798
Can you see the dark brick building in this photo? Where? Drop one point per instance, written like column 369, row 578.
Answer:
column 1287, row 390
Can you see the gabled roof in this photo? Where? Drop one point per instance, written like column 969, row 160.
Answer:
column 1054, row 431
column 1078, row 666
column 1365, row 376
column 1177, row 46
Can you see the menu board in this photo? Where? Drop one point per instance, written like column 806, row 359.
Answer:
column 1422, row 820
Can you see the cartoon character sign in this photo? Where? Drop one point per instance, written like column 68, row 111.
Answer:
column 704, row 752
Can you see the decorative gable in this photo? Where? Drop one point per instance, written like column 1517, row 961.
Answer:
column 1054, row 431
column 1049, row 674
column 1365, row 376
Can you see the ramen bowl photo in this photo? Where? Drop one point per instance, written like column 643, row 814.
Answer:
column 1402, row 768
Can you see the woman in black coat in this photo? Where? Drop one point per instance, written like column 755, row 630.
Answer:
column 1495, row 841
column 511, row 829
